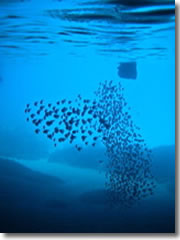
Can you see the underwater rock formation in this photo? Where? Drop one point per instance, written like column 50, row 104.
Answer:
column 127, row 70
column 86, row 159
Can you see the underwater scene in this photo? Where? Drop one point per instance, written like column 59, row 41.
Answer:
column 87, row 116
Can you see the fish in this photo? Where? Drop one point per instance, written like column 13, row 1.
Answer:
column 56, row 129
column 64, row 109
column 79, row 148
column 56, row 116
column 61, row 131
column 37, row 131
column 50, row 136
column 49, row 123
column 61, row 139
column 83, row 137
column 46, row 131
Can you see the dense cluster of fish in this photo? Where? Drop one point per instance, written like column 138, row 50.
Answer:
column 83, row 122
column 67, row 121
column 129, row 176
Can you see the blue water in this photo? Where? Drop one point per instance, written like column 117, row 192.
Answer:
column 54, row 50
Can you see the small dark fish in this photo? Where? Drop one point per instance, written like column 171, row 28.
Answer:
column 64, row 109
column 67, row 135
column 37, row 131
column 72, row 137
column 56, row 116
column 49, row 113
column 41, row 102
column 107, row 125
column 68, row 127
column 37, row 122
column 46, row 130
column 74, row 110
column 89, row 120
column 61, row 131
column 49, row 123
column 83, row 137
column 77, row 123
column 56, row 130
column 74, row 131
column 27, row 105
column 63, row 101
column 90, row 111
column 32, row 115
column 49, row 105
column 78, row 148
column 58, row 102
column 90, row 132
column 61, row 139
column 83, row 121
column 49, row 136
column 99, row 130
column 27, row 119
column 71, row 121
column 35, row 103
column 69, row 102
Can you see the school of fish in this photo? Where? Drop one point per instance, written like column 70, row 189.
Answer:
column 83, row 122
